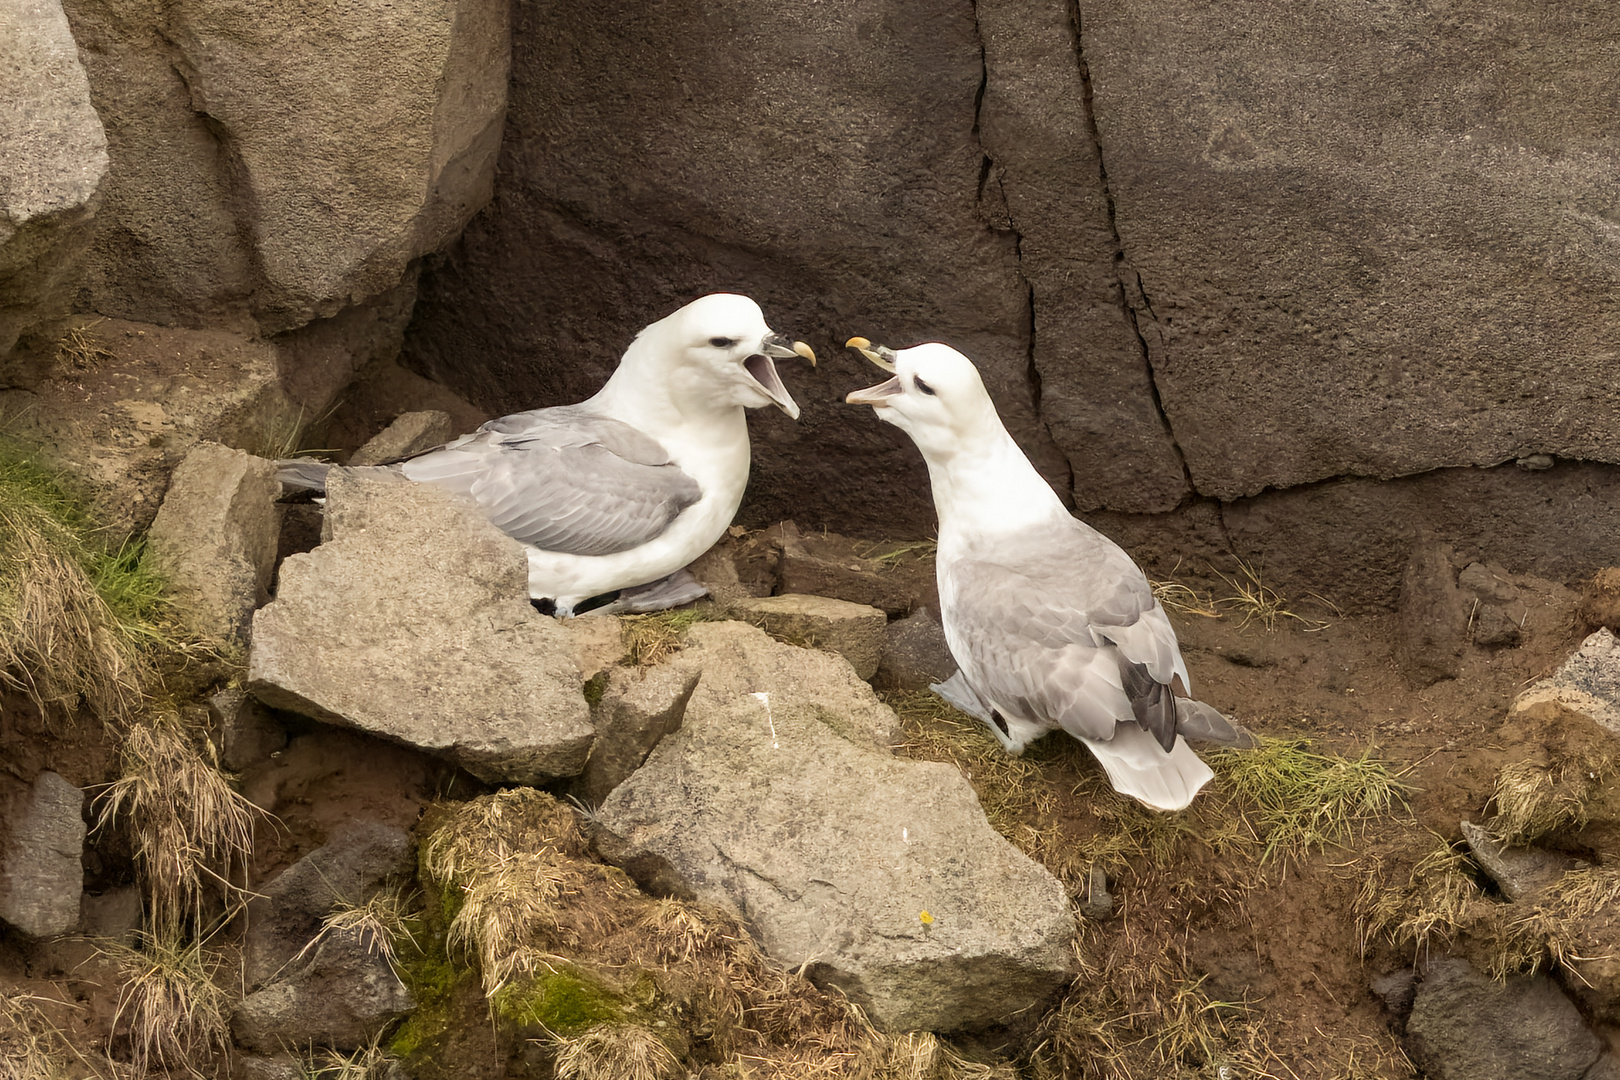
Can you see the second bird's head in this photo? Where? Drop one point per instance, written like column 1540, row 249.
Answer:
column 726, row 349
column 935, row 396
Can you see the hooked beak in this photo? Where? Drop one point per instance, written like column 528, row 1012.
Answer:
column 763, row 369
column 876, row 396
column 881, row 355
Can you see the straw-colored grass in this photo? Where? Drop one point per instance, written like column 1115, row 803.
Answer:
column 652, row 639
column 190, row 829
column 1429, row 908
column 81, row 349
column 369, row 1062
column 615, row 1052
column 383, row 923
column 30, row 1046
column 1533, row 797
column 1255, row 601
column 172, row 1009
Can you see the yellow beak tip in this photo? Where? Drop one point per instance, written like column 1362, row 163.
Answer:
column 805, row 351
column 857, row 343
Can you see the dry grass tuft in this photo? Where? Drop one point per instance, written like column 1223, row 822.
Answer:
column 1258, row 602
column 81, row 350
column 652, row 639
column 890, row 553
column 1432, row 906
column 61, row 643
column 30, row 1046
column 1533, row 798
column 615, row 1052
column 368, row 1062
column 383, row 922
column 172, row 1011
column 190, row 828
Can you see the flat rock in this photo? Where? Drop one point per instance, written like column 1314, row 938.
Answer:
column 1519, row 872
column 411, row 621
column 774, row 803
column 214, row 538
column 1588, row 682
column 341, row 997
column 639, row 706
column 1465, row 1026
column 285, row 913
column 853, row 631
column 41, row 868
column 826, row 566
column 410, row 433
column 56, row 159
column 915, row 653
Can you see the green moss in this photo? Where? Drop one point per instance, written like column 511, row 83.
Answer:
column 595, row 687
column 432, row 979
column 563, row 1003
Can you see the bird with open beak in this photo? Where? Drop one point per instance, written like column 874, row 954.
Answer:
column 1051, row 624
column 614, row 496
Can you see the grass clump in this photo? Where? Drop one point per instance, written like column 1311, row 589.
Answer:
column 615, row 1052
column 652, row 639
column 30, row 1046
column 1534, row 797
column 1258, row 602
column 172, row 1010
column 1432, row 906
column 191, row 830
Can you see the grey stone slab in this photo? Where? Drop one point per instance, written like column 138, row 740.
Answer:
column 41, row 865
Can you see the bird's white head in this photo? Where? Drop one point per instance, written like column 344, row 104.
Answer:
column 718, row 350
column 936, row 397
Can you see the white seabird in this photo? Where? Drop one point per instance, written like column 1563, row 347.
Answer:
column 621, row 491
column 1050, row 623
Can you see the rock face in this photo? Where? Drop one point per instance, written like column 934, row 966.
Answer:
column 214, row 538
column 915, row 654
column 853, row 631
column 55, row 154
column 341, row 997
column 639, row 707
column 777, row 803
column 412, row 621
column 1433, row 624
column 41, row 874
column 1465, row 1025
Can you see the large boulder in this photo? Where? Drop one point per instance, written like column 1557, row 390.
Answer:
column 341, row 996
column 41, row 872
column 779, row 800
column 1588, row 682
column 55, row 154
column 1465, row 1026
column 412, row 622
column 282, row 164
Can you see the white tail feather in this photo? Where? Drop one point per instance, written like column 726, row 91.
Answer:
column 1138, row 766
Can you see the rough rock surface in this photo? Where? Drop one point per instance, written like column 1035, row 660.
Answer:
column 825, row 566
column 1433, row 623
column 341, row 997
column 1465, row 1025
column 639, row 706
column 55, row 154
column 248, row 732
column 41, row 873
column 285, row 913
column 410, row 433
column 228, row 203
column 1518, row 872
column 915, row 653
column 412, row 622
column 214, row 538
column 853, row 631
column 784, row 810
column 1589, row 682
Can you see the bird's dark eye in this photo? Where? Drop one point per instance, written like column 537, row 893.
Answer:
column 920, row 385
column 722, row 342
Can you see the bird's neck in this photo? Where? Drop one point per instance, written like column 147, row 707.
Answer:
column 650, row 395
column 987, row 486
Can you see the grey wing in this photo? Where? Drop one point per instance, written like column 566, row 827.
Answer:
column 564, row 481
column 1083, row 639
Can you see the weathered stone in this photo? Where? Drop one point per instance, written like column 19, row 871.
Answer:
column 55, row 154
column 915, row 654
column 1519, row 872
column 41, row 872
column 412, row 621
column 598, row 643
column 122, row 426
column 1588, row 682
column 410, row 433
column 767, row 802
column 1433, row 623
column 214, row 539
column 341, row 997
column 285, row 913
column 853, row 631
column 1398, row 989
column 1298, row 270
column 817, row 567
column 639, row 707
column 248, row 732
column 1465, row 1026
column 269, row 1068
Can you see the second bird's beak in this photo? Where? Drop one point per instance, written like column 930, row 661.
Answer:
column 876, row 396
column 763, row 368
